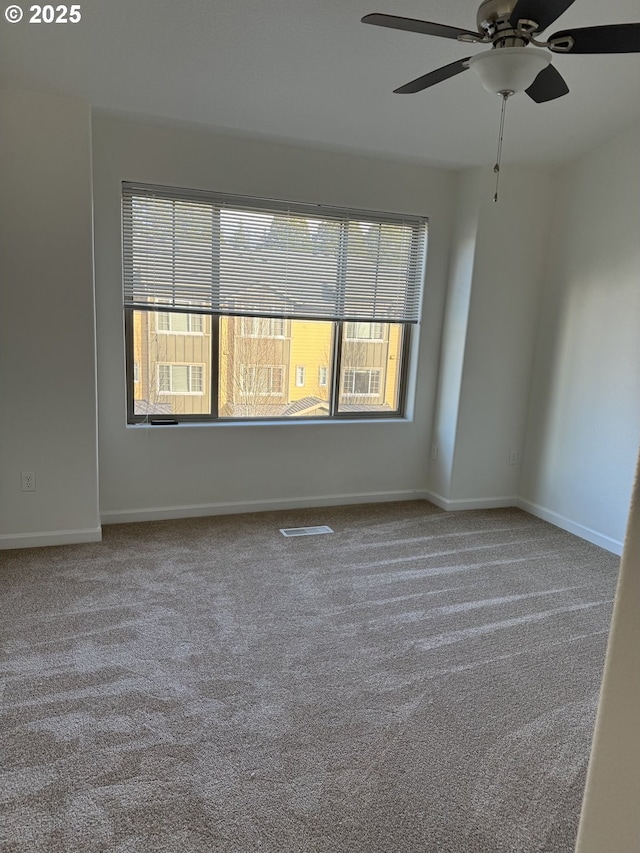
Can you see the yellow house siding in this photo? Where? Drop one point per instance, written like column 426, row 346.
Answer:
column 311, row 349
column 393, row 366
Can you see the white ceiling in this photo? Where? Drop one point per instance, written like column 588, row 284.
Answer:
column 308, row 71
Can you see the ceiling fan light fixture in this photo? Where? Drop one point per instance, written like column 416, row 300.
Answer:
column 509, row 69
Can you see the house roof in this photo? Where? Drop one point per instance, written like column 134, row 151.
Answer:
column 306, row 404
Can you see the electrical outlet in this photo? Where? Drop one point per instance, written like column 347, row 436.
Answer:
column 434, row 452
column 28, row 481
column 514, row 457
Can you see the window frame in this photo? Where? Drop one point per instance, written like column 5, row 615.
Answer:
column 334, row 374
column 346, row 316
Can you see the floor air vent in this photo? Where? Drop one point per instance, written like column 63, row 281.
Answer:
column 305, row 531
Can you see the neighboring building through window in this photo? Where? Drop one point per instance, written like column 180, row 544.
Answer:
column 300, row 376
column 322, row 375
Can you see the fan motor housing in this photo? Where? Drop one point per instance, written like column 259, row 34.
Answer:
column 494, row 13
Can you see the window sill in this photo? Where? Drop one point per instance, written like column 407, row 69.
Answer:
column 226, row 424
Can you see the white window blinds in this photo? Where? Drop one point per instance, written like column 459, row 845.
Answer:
column 186, row 250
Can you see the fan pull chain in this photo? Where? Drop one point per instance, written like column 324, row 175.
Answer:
column 496, row 168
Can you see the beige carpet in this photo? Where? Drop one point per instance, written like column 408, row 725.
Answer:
column 417, row 681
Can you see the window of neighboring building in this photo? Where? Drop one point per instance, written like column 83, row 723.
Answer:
column 262, row 380
column 184, row 324
column 262, row 327
column 364, row 331
column 248, row 287
column 180, row 378
column 362, row 382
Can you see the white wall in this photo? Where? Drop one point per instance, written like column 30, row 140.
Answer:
column 152, row 471
column 454, row 333
column 610, row 818
column 584, row 415
column 47, row 340
column 510, row 248
column 583, row 423
column 489, row 336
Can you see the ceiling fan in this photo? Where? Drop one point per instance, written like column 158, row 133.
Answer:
column 511, row 64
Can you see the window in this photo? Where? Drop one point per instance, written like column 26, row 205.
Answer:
column 183, row 324
column 180, row 378
column 262, row 380
column 364, row 331
column 363, row 382
column 254, row 293
column 262, row 327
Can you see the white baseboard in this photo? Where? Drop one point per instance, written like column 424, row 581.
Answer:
column 606, row 542
column 545, row 514
column 471, row 503
column 125, row 516
column 76, row 537
column 55, row 537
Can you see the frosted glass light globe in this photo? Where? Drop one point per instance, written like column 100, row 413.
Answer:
column 509, row 69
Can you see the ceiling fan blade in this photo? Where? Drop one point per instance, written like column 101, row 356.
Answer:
column 411, row 25
column 548, row 85
column 433, row 77
column 610, row 38
column 543, row 12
